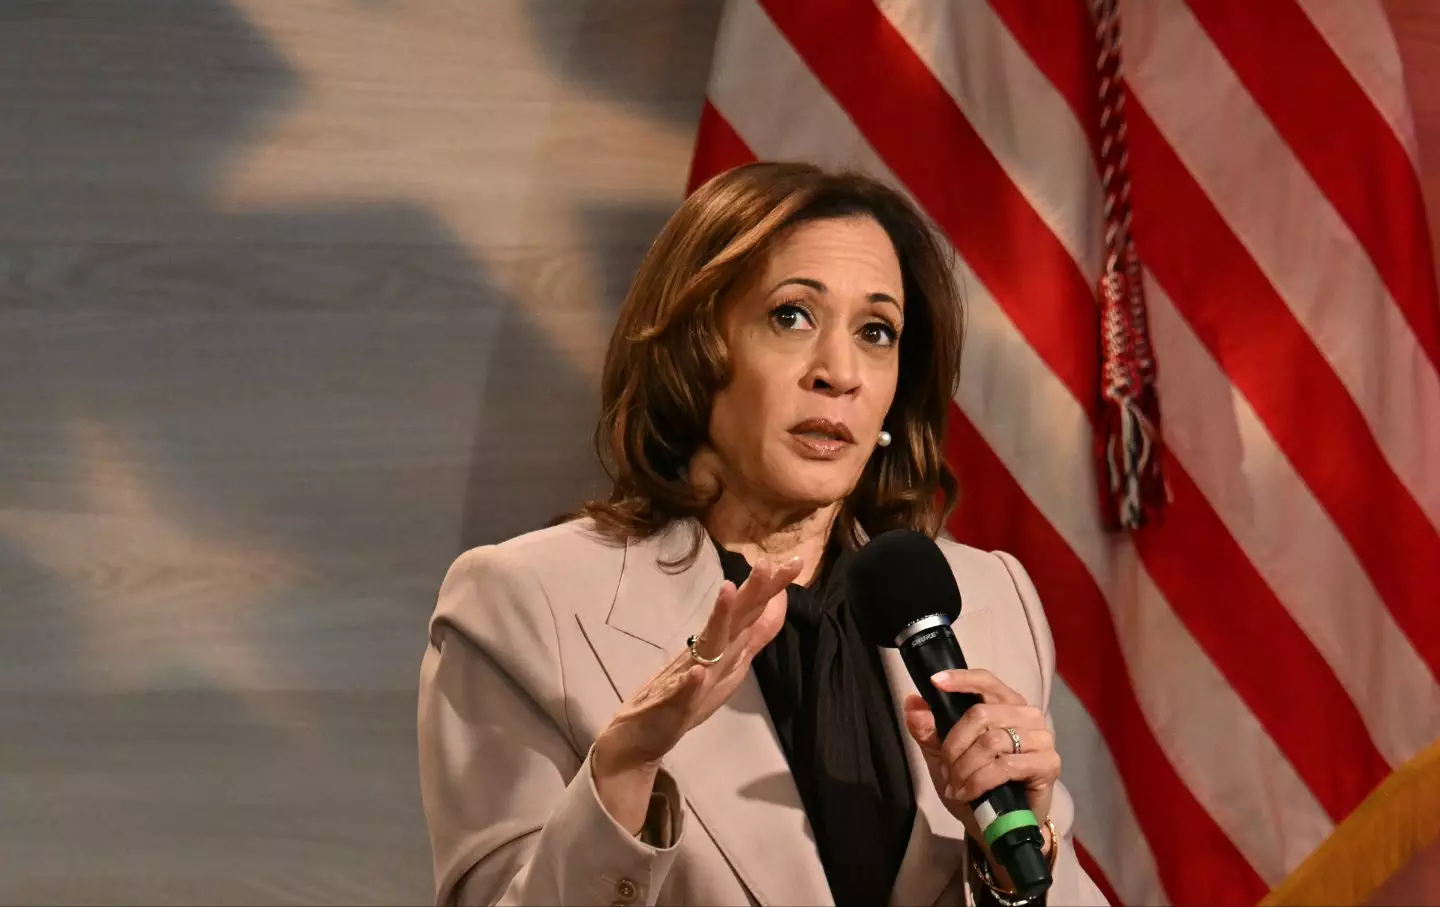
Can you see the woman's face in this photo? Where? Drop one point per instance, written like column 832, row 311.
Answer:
column 813, row 339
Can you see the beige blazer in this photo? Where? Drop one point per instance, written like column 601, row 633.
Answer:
column 533, row 644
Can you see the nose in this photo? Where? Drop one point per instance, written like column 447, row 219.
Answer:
column 836, row 368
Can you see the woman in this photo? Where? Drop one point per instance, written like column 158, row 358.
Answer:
column 665, row 700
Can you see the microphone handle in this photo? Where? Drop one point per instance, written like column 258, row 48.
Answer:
column 1019, row 846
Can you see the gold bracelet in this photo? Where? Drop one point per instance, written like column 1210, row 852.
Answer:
column 1054, row 842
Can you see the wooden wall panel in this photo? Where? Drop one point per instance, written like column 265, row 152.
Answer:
column 299, row 299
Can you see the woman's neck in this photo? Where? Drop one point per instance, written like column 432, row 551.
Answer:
column 768, row 533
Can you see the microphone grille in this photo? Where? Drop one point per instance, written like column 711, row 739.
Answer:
column 899, row 577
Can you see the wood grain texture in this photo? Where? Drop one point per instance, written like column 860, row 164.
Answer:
column 299, row 299
column 206, row 798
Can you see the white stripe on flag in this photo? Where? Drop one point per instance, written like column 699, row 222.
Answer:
column 1104, row 820
column 1018, row 114
column 1358, row 31
column 1316, row 264
column 1290, row 539
column 1248, row 785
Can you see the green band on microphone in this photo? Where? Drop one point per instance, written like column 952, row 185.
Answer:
column 1008, row 822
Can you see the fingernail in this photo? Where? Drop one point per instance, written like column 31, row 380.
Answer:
column 937, row 677
column 949, row 793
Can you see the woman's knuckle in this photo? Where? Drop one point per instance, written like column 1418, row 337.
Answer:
column 992, row 775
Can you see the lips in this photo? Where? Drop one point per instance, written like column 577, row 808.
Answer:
column 821, row 439
column 824, row 430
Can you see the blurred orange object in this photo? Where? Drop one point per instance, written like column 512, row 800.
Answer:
column 1386, row 852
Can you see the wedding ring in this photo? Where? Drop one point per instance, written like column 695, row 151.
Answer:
column 701, row 659
column 1014, row 737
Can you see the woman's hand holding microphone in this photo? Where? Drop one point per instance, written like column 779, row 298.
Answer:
column 1002, row 738
column 681, row 695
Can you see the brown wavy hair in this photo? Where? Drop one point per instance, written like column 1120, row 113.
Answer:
column 667, row 356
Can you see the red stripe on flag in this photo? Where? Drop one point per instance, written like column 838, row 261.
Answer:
column 1096, row 874
column 1262, row 652
column 718, row 147
column 1197, row 862
column 1250, row 331
column 1336, row 476
column 1338, row 780
column 1293, row 74
column 1060, row 39
column 914, row 124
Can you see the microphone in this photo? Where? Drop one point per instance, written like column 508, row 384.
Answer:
column 905, row 596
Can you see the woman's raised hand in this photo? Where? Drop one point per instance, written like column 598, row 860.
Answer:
column 685, row 692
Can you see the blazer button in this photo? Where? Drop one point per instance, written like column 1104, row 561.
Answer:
column 625, row 890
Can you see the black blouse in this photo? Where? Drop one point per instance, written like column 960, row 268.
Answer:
column 830, row 704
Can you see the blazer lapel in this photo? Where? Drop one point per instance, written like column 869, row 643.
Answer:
column 936, row 851
column 731, row 769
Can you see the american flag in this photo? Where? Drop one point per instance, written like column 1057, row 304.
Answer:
column 1234, row 680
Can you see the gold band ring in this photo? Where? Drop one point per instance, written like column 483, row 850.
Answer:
column 701, row 659
column 1014, row 737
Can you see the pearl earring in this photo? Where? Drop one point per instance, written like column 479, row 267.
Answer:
column 884, row 439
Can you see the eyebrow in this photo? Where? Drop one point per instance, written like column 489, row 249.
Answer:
column 819, row 287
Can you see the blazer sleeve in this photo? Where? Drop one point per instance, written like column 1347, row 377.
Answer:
column 509, row 799
column 1070, row 884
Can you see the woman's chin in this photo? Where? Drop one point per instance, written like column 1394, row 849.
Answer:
column 817, row 485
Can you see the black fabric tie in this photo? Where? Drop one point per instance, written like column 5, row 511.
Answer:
column 830, row 704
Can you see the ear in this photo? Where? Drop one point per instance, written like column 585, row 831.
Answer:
column 705, row 469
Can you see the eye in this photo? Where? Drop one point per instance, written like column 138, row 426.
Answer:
column 879, row 333
column 790, row 316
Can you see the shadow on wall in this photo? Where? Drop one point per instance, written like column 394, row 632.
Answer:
column 296, row 382
column 655, row 58
column 652, row 55
column 232, row 442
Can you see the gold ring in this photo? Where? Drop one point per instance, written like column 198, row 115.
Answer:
column 1014, row 737
column 701, row 659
